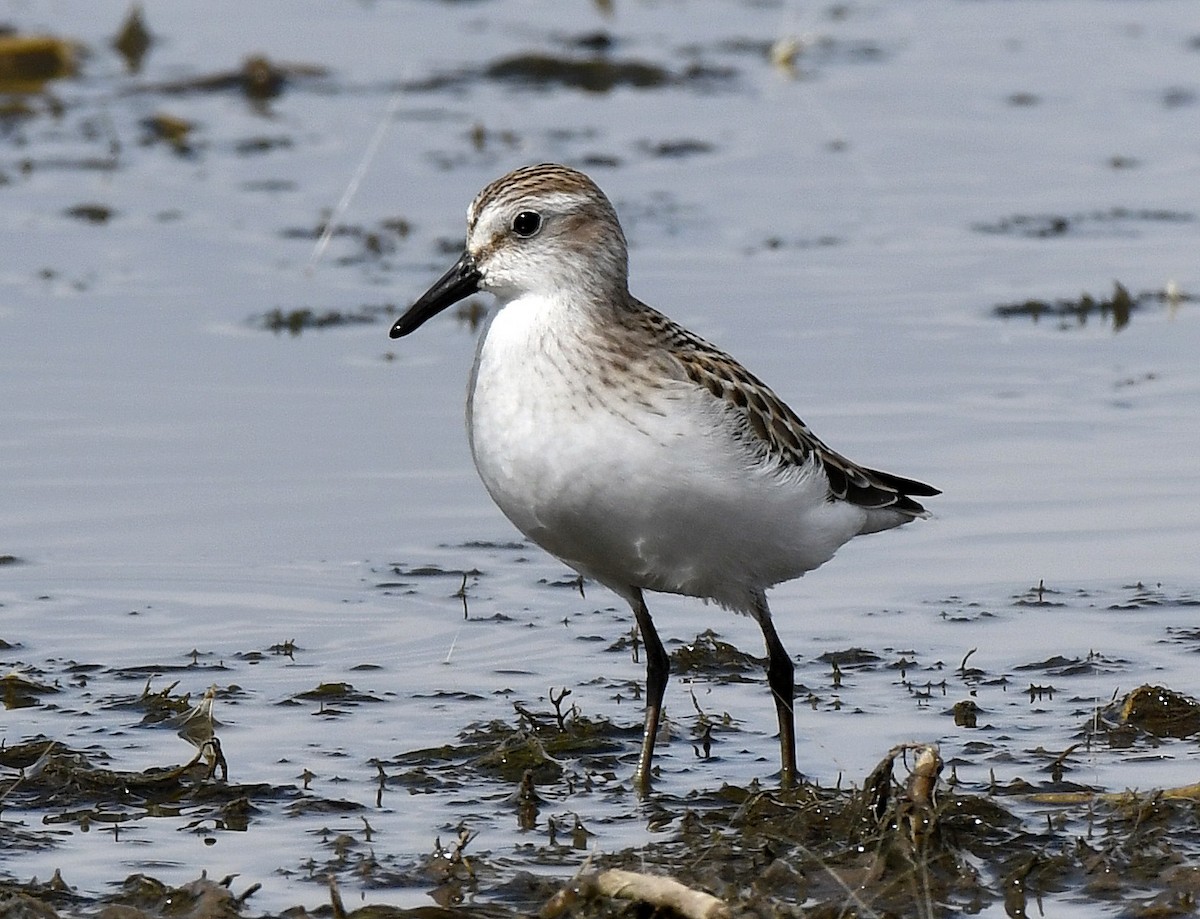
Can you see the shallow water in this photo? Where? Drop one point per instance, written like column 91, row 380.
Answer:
column 176, row 479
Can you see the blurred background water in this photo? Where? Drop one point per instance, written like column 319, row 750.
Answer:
column 841, row 195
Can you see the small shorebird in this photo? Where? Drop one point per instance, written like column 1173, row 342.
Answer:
column 632, row 449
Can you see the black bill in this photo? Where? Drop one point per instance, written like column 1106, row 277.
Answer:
column 460, row 281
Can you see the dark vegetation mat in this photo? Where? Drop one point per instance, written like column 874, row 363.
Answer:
column 906, row 839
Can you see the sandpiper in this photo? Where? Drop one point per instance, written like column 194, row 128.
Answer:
column 630, row 448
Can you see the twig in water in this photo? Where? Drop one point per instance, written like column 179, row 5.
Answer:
column 557, row 701
column 962, row 668
column 355, row 180
column 453, row 644
column 462, row 594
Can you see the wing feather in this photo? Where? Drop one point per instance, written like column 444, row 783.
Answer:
column 777, row 431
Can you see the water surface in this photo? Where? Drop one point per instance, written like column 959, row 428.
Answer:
column 176, row 479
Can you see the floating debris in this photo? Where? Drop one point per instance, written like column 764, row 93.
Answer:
column 596, row 75
column 90, row 213
column 1046, row 226
column 1024, row 99
column 784, row 52
column 173, row 130
column 29, row 62
column 304, row 319
column 328, row 694
column 717, row 660
column 133, row 39
column 20, row 691
column 259, row 79
column 1116, row 310
column 1178, row 96
column 1161, row 712
column 253, row 145
column 677, row 149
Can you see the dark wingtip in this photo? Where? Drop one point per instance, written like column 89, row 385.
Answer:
column 910, row 486
column 871, row 488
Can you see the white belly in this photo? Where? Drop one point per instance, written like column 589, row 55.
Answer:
column 657, row 496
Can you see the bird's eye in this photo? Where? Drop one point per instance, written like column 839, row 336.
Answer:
column 527, row 223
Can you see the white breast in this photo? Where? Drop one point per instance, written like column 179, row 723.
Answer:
column 636, row 488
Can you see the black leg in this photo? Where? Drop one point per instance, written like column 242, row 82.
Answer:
column 658, row 668
column 781, row 677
